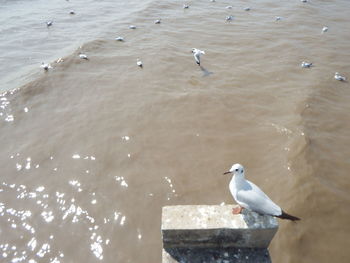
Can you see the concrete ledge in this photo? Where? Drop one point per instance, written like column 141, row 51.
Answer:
column 204, row 226
column 217, row 255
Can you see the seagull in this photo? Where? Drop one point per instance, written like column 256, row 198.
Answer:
column 339, row 77
column 305, row 64
column 49, row 23
column 229, row 7
column 247, row 9
column 139, row 63
column 324, row 29
column 157, row 21
column 83, row 56
column 251, row 197
column 72, row 12
column 229, row 18
column 304, row 1
column 132, row 27
column 278, row 18
column 119, row 38
column 185, row 6
column 45, row 66
column 197, row 53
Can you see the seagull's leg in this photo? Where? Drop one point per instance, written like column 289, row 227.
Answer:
column 237, row 210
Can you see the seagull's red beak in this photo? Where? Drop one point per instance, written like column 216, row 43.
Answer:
column 227, row 172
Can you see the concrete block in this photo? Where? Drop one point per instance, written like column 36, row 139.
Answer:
column 202, row 226
column 215, row 255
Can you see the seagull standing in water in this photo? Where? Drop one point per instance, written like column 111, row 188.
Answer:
column 305, row 64
column 139, row 63
column 121, row 39
column 197, row 54
column 45, row 66
column 83, row 56
column 337, row 76
column 251, row 197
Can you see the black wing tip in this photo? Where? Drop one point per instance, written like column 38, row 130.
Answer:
column 284, row 215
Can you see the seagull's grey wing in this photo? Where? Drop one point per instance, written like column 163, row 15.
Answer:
column 253, row 198
column 196, row 57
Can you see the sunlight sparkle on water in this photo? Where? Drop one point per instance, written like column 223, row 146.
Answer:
column 121, row 180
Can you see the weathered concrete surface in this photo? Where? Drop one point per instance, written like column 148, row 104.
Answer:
column 201, row 226
column 216, row 255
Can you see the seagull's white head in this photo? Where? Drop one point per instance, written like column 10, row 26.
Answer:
column 236, row 169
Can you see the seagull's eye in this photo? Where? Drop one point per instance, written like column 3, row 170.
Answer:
column 236, row 170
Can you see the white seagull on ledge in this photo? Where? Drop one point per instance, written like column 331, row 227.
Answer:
column 251, row 197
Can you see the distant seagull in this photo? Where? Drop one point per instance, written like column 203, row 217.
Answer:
column 278, row 18
column 304, row 1
column 324, row 29
column 247, row 9
column 157, row 21
column 185, row 6
column 229, row 7
column 305, row 64
column 229, row 18
column 132, row 27
column 251, row 197
column 139, row 63
column 119, row 38
column 49, row 23
column 212, row 1
column 72, row 12
column 83, row 56
column 45, row 66
column 197, row 54
column 339, row 77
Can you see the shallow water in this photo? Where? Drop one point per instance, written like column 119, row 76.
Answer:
column 93, row 149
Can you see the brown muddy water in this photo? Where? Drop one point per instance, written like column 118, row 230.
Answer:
column 92, row 149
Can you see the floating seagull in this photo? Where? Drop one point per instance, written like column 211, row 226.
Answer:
column 339, row 77
column 83, row 56
column 278, row 18
column 229, row 18
column 304, row 1
column 305, row 64
column 132, row 27
column 139, row 63
column 45, row 66
column 119, row 38
column 49, row 23
column 72, row 12
column 229, row 7
column 157, row 21
column 212, row 1
column 185, row 6
column 251, row 197
column 247, row 9
column 324, row 29
column 197, row 54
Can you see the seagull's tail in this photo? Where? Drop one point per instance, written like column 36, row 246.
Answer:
column 284, row 215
